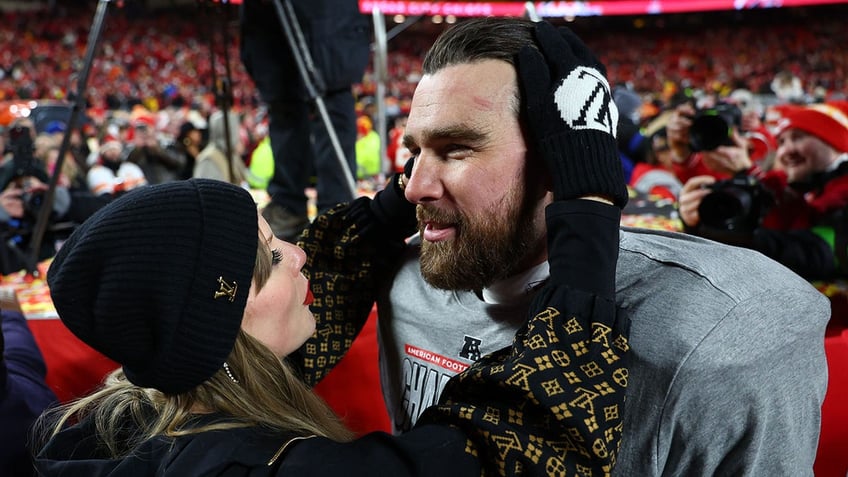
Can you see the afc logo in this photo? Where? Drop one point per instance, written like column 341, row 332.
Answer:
column 470, row 348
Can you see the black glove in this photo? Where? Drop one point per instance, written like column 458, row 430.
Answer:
column 570, row 115
column 390, row 206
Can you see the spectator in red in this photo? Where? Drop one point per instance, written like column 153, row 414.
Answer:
column 655, row 176
column 797, row 211
column 397, row 153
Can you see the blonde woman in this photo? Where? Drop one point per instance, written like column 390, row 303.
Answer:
column 186, row 287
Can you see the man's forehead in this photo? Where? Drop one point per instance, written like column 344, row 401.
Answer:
column 485, row 76
column 791, row 132
column 461, row 98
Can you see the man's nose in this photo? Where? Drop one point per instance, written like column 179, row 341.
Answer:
column 424, row 185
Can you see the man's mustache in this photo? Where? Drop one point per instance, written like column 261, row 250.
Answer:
column 427, row 213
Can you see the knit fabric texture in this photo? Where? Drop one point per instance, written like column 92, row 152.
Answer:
column 570, row 117
column 589, row 165
column 158, row 280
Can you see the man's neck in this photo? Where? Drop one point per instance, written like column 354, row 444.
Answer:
column 516, row 287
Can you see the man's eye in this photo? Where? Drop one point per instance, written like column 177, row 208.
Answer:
column 457, row 151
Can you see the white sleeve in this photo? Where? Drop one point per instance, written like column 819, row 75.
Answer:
column 100, row 180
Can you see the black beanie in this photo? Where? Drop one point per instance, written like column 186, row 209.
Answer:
column 158, row 279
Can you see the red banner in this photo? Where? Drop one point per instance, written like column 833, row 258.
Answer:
column 575, row 9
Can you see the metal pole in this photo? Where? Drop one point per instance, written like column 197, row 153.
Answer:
column 49, row 196
column 381, row 70
column 306, row 68
column 223, row 93
column 409, row 21
column 530, row 9
column 228, row 98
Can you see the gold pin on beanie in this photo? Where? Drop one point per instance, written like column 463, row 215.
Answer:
column 158, row 280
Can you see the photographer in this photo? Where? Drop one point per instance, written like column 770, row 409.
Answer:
column 144, row 149
column 795, row 213
column 719, row 140
column 23, row 181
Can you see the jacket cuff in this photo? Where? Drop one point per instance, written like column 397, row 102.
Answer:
column 583, row 241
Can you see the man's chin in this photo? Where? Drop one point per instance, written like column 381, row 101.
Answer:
column 457, row 271
column 796, row 175
column 448, row 282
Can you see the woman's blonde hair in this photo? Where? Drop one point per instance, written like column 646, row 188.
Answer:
column 269, row 394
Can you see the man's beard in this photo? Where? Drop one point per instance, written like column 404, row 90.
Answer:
column 487, row 247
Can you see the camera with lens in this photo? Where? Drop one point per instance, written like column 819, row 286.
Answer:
column 20, row 143
column 23, row 161
column 711, row 127
column 735, row 205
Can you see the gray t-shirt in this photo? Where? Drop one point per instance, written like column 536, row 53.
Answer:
column 728, row 370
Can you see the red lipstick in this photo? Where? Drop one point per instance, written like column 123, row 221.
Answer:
column 309, row 297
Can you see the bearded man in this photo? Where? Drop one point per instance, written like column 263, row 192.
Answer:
column 728, row 370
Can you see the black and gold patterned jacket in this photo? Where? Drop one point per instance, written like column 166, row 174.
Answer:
column 553, row 402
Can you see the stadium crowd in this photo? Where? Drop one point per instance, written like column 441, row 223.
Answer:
column 152, row 90
column 162, row 58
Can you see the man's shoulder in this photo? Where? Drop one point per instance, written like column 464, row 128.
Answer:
column 698, row 276
column 208, row 152
column 717, row 263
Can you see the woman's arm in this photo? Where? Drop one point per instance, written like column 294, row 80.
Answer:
column 348, row 250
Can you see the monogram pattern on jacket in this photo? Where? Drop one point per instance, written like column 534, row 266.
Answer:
column 552, row 404
column 341, row 275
